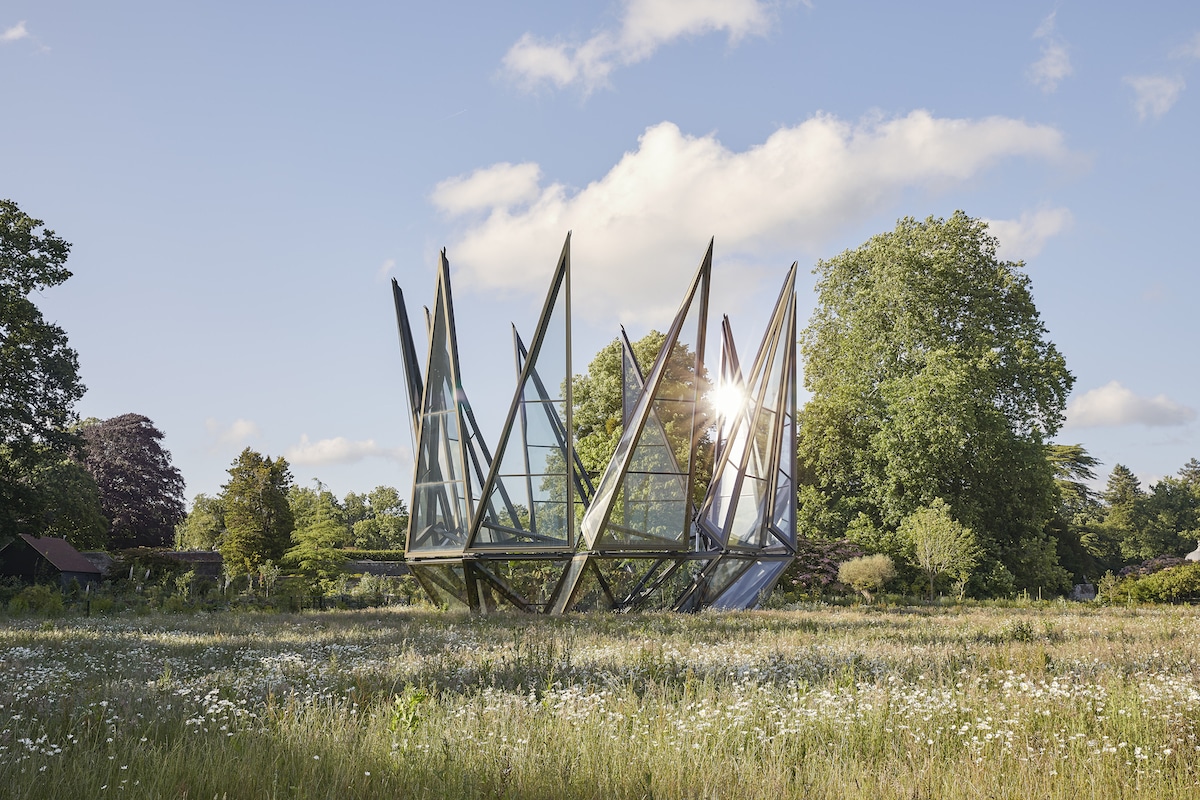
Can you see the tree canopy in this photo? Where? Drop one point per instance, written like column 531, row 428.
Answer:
column 39, row 372
column 258, row 519
column 141, row 492
column 933, row 377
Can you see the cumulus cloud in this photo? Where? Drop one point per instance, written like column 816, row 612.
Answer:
column 238, row 432
column 670, row 194
column 1155, row 94
column 1055, row 63
column 338, row 450
column 1113, row 405
column 15, row 33
column 1024, row 237
column 385, row 268
column 645, row 26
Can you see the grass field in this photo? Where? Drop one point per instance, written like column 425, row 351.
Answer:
column 1049, row 701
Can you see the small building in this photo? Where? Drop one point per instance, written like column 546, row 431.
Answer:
column 46, row 560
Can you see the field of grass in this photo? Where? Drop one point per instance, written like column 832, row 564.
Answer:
column 1048, row 701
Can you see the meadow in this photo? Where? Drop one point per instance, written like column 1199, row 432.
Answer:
column 1046, row 700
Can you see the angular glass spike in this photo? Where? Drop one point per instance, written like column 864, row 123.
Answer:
column 441, row 499
column 643, row 500
column 530, row 491
column 752, row 495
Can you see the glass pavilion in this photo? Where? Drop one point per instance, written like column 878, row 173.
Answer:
column 523, row 526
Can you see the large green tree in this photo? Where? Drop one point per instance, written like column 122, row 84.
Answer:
column 39, row 372
column 933, row 377
column 141, row 491
column 258, row 519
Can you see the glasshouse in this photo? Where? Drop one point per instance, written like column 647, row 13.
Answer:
column 522, row 525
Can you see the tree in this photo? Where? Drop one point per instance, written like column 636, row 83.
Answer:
column 932, row 377
column 318, row 538
column 204, row 526
column 71, row 503
column 867, row 574
column 258, row 520
column 939, row 544
column 141, row 492
column 39, row 373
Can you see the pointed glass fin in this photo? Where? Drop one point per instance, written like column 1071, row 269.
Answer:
column 408, row 351
column 754, row 474
column 643, row 499
column 529, row 492
column 441, row 499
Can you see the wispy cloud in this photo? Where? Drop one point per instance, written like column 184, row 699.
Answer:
column 1190, row 49
column 385, row 268
column 665, row 198
column 1154, row 95
column 15, row 33
column 1055, row 63
column 645, row 25
column 1113, row 405
column 339, row 450
column 1024, row 237
column 238, row 432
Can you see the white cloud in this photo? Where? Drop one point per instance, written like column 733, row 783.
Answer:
column 1189, row 50
column 645, row 26
column 646, row 222
column 238, row 432
column 1055, row 63
column 1113, row 405
column 338, row 450
column 1024, row 237
column 15, row 33
column 1155, row 94
column 500, row 186
column 385, row 268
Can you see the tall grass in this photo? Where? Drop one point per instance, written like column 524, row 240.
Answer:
column 1053, row 701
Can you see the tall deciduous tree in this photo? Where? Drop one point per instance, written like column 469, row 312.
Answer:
column 204, row 526
column 39, row 372
column 141, row 492
column 939, row 544
column 258, row 520
column 933, row 377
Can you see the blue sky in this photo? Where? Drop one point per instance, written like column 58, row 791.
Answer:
column 241, row 181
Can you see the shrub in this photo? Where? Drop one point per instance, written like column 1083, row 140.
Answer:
column 867, row 574
column 41, row 599
column 1172, row 585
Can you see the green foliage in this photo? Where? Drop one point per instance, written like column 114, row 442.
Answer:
column 932, row 377
column 1179, row 584
column 46, row 600
column 39, row 376
column 376, row 555
column 70, row 503
column 318, row 539
column 204, row 526
column 939, row 545
column 867, row 574
column 258, row 519
column 1138, row 525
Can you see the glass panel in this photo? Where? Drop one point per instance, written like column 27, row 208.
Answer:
column 533, row 581
column 528, row 501
column 752, row 588
column 440, row 496
column 589, row 594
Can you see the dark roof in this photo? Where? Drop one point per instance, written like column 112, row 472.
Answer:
column 60, row 553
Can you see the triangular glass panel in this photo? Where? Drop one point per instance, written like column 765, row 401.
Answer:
column 441, row 499
column 643, row 500
column 529, row 497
